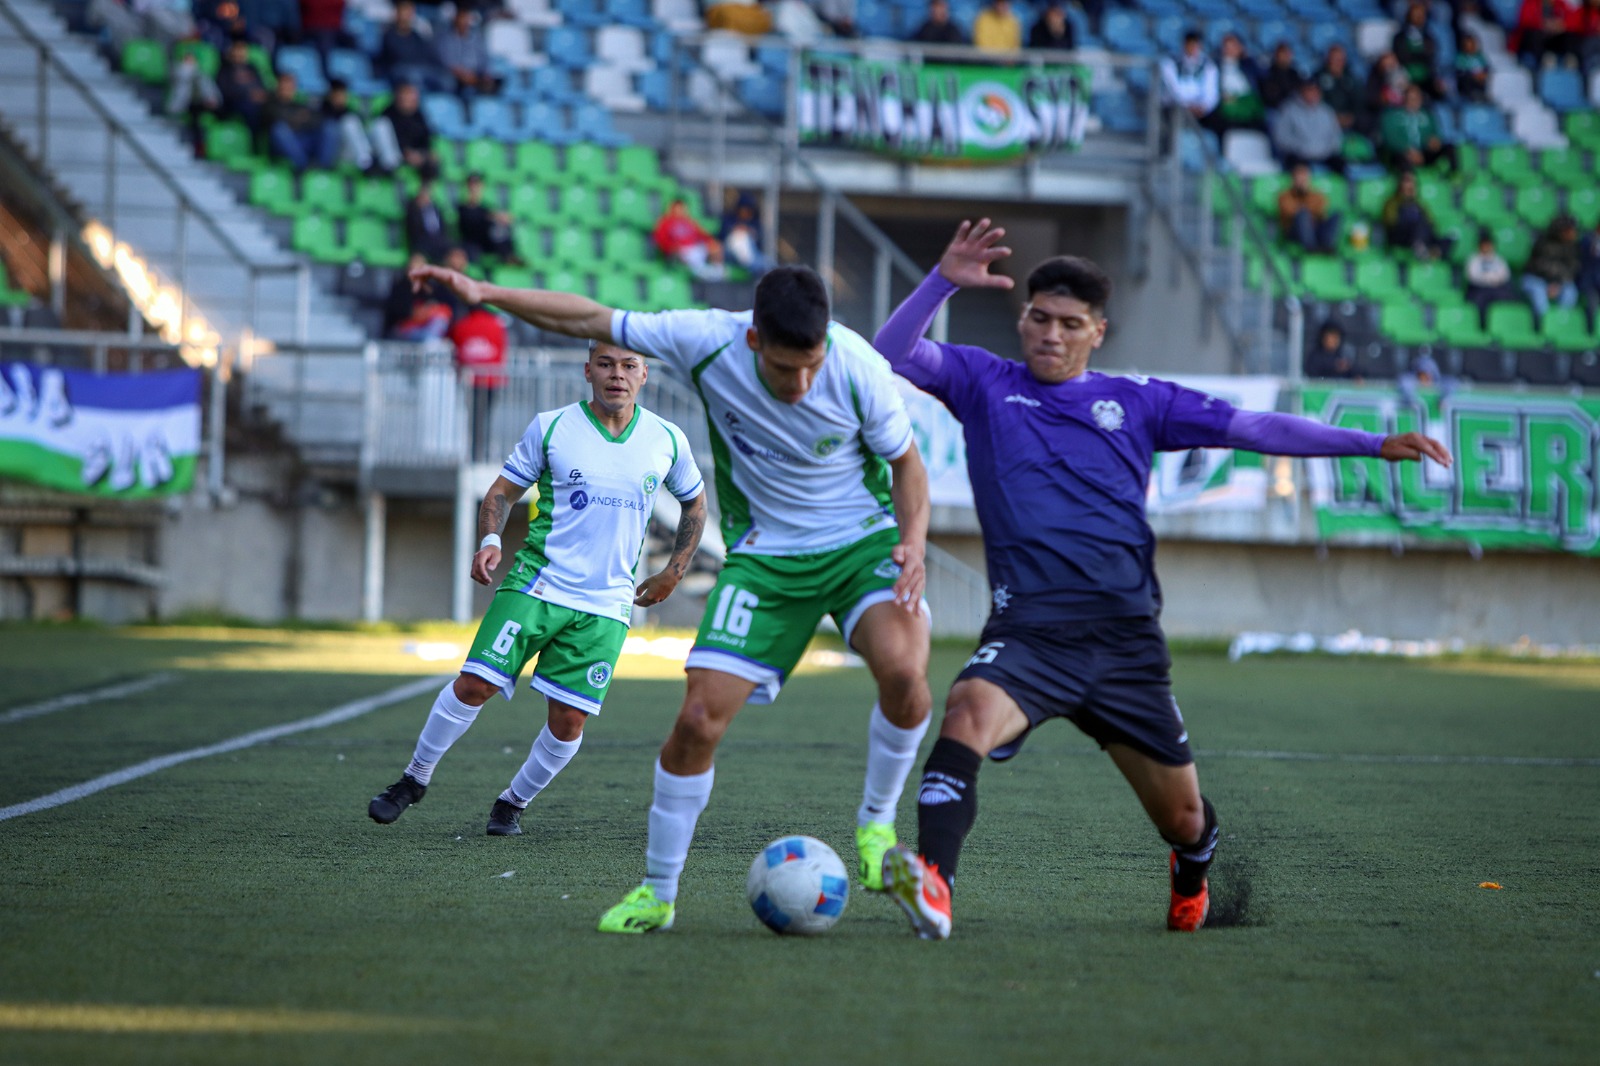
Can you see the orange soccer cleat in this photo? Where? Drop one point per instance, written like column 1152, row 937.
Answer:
column 1185, row 914
column 920, row 890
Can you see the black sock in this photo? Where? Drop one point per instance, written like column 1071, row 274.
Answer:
column 947, row 803
column 1195, row 859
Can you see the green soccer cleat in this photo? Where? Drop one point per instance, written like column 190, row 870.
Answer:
column 872, row 841
column 639, row 912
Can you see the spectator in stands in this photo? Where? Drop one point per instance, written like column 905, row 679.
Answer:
column 1488, row 277
column 680, row 237
column 355, row 145
column 297, row 132
column 1407, row 224
column 741, row 236
column 1189, row 79
column 322, row 25
column 1423, row 373
column 410, row 314
column 839, row 16
column 405, row 55
column 1551, row 276
column 192, row 92
column 426, row 232
column 1341, row 89
column 938, row 27
column 1546, row 30
column 739, row 16
column 1589, row 266
column 1282, row 79
column 1387, row 82
column 1409, row 135
column 997, row 29
column 1303, row 214
column 1239, row 105
column 479, row 336
column 243, row 94
column 276, row 20
column 465, row 55
column 402, row 135
column 1472, row 71
column 1306, row 131
column 1331, row 356
column 484, row 230
column 1052, row 30
column 1417, row 51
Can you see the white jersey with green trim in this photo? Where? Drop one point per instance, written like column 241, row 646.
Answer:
column 596, row 494
column 791, row 478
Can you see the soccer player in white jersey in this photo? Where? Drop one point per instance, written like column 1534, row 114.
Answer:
column 569, row 594
column 825, row 511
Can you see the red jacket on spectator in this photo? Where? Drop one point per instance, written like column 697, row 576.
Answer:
column 1531, row 17
column 676, row 232
column 480, row 340
column 323, row 15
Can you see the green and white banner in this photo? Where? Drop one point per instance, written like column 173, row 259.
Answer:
column 115, row 435
column 941, row 111
column 1525, row 476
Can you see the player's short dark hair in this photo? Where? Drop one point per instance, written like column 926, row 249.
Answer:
column 1071, row 275
column 791, row 307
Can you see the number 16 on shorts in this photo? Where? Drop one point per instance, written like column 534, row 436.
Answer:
column 734, row 612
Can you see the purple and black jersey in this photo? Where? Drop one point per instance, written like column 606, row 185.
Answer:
column 1059, row 471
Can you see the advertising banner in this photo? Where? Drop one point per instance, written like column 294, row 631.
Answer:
column 118, row 435
column 950, row 112
column 1525, row 474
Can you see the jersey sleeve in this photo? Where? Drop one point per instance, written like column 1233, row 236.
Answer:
column 885, row 425
column 526, row 462
column 681, row 339
column 683, row 478
column 1191, row 419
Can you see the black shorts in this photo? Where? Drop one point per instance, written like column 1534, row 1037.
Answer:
column 1111, row 678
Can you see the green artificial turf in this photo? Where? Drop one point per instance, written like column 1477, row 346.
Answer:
column 242, row 908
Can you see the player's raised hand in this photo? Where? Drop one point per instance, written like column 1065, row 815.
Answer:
column 1398, row 447
column 966, row 262
column 913, row 576
column 484, row 564
column 470, row 291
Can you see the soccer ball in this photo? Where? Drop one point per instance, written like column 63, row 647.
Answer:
column 798, row 885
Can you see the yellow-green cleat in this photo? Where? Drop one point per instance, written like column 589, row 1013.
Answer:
column 872, row 841
column 639, row 912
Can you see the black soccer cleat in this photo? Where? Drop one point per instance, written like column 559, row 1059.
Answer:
column 504, row 819
column 392, row 802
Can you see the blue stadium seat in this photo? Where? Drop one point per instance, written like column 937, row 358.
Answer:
column 492, row 117
column 878, row 20
column 1485, row 125
column 1169, row 31
column 1211, row 9
column 1324, row 34
column 544, row 121
column 1264, row 9
column 446, row 116
column 1162, row 8
column 367, row 34
column 774, row 59
column 630, row 13
column 306, row 66
column 355, row 69
column 764, row 93
column 656, row 88
column 568, row 46
column 1128, row 33
column 584, row 13
column 554, row 84
column 591, row 122
column 1119, row 112
column 1562, row 89
column 1218, row 28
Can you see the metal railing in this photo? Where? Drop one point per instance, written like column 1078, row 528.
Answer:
column 958, row 595
column 119, row 141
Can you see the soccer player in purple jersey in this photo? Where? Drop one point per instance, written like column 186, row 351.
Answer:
column 1059, row 459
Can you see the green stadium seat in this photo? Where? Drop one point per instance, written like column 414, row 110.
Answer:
column 1485, row 203
column 1404, row 323
column 1335, row 188
column 1583, row 128
column 315, row 236
column 639, row 165
column 1511, row 326
column 145, row 60
column 488, row 158
column 1469, row 160
column 273, row 189
column 1513, row 164
column 536, row 159
column 580, row 203
column 1460, row 325
column 371, row 242
column 625, row 247
column 669, row 292
column 574, row 246
column 12, row 297
column 1371, row 194
column 564, row 279
column 616, row 289
column 231, row 144
column 1434, row 281
column 630, row 205
column 1324, row 278
column 530, row 200
column 262, row 62
column 586, row 164
column 1358, row 149
column 1264, row 193
column 205, row 55
column 1567, row 329
column 1434, row 192
column 324, row 192
column 1567, row 167
column 512, row 277
column 377, row 197
column 1378, row 278
column 1584, row 205
column 1514, row 242
column 450, row 168
column 1538, row 204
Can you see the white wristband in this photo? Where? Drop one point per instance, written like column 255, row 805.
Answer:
column 491, row 540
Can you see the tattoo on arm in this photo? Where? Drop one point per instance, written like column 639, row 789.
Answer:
column 691, row 523
column 493, row 514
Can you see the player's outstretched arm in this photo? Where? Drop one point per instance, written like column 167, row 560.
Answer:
column 492, row 522
column 1275, row 433
column 558, row 312
column 1401, row 447
column 910, row 495
column 975, row 247
column 691, row 523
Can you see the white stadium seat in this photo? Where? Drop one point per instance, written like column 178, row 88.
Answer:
column 534, row 13
column 729, row 55
column 678, row 15
column 511, row 41
column 613, row 87
column 1249, row 152
column 622, row 47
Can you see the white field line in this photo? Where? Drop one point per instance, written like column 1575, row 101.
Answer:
column 343, row 713
column 78, row 699
column 1421, row 760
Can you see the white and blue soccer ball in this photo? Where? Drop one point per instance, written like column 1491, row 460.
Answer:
column 798, row 885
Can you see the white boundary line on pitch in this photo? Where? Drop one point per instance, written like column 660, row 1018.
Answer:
column 342, row 713
column 78, row 699
column 1421, row 760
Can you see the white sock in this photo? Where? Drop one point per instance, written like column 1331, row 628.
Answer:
column 673, row 814
column 448, row 720
column 547, row 758
column 890, row 753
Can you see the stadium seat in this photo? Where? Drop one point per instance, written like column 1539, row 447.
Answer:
column 1513, row 164
column 512, row 277
column 555, row 85
column 1567, row 328
column 669, row 291
column 272, row 188
column 1583, row 128
column 634, row 13
column 492, row 116
column 561, row 278
column 1489, row 366
column 1485, row 125
column 1567, row 167
column 1563, row 89
column 767, row 95
column 354, row 68
column 377, row 197
column 315, row 236
column 585, row 13
column 1586, row 370
column 1537, row 204
column 545, row 121
column 509, row 41
column 325, row 193
column 303, row 62
column 534, row 159
column 1324, row 278
column 591, row 122
column 1485, row 203
column 1404, row 323
column 1371, row 194
column 1460, row 326
column 656, row 88
column 446, row 116
column 145, row 60
column 487, row 157
column 630, row 205
column 1584, row 205
column 617, row 288
column 205, row 56
column 1543, row 367
column 1433, row 281
column 370, row 241
column 639, row 165
column 530, row 201
column 586, row 163
column 1378, row 362
column 624, row 247
column 1378, row 279
column 231, row 144
column 568, row 46
column 578, row 203
column 1514, row 241
column 1512, row 326
column 574, row 246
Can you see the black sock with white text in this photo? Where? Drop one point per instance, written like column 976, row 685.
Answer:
column 1195, row 859
column 947, row 803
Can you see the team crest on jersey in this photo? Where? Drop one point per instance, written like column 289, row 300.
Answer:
column 651, row 483
column 1108, row 415
column 599, row 674
column 887, row 569
column 826, row 446
column 579, row 500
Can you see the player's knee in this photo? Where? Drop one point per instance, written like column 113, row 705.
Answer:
column 566, row 723
column 903, row 693
column 473, row 690
column 697, row 727
column 1183, row 822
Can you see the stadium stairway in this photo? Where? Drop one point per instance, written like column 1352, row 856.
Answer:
column 218, row 247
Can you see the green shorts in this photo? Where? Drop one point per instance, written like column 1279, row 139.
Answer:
column 577, row 651
column 764, row 608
